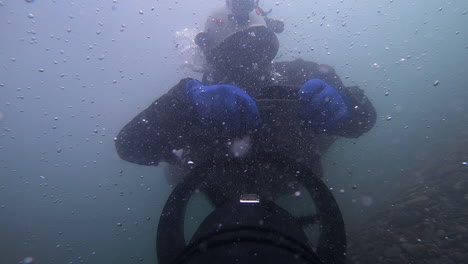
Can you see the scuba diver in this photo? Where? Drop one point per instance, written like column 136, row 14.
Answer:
column 221, row 115
column 246, row 136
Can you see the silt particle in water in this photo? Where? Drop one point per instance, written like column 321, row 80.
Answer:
column 367, row 201
column 27, row 260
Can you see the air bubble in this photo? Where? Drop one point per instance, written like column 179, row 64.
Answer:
column 367, row 201
column 28, row 260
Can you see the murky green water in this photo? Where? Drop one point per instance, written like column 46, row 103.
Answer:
column 74, row 72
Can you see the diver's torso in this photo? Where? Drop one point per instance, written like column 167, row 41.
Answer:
column 282, row 132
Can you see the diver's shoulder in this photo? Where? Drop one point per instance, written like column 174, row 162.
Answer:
column 304, row 67
column 297, row 70
column 298, row 62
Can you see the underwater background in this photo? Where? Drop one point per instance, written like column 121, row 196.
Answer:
column 73, row 73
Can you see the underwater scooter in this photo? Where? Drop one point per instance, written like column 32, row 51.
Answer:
column 247, row 224
column 254, row 208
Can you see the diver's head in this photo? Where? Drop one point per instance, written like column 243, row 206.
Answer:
column 241, row 7
column 237, row 42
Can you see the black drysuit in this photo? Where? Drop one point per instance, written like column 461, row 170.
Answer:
column 170, row 123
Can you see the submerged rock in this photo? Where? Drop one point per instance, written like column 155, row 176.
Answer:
column 427, row 222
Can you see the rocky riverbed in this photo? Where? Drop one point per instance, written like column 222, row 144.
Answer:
column 426, row 223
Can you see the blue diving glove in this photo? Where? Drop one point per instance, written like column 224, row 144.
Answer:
column 322, row 106
column 225, row 108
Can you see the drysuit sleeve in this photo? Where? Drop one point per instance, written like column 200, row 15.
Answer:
column 153, row 135
column 363, row 115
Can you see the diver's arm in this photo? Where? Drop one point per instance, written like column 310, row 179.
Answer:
column 153, row 134
column 362, row 113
